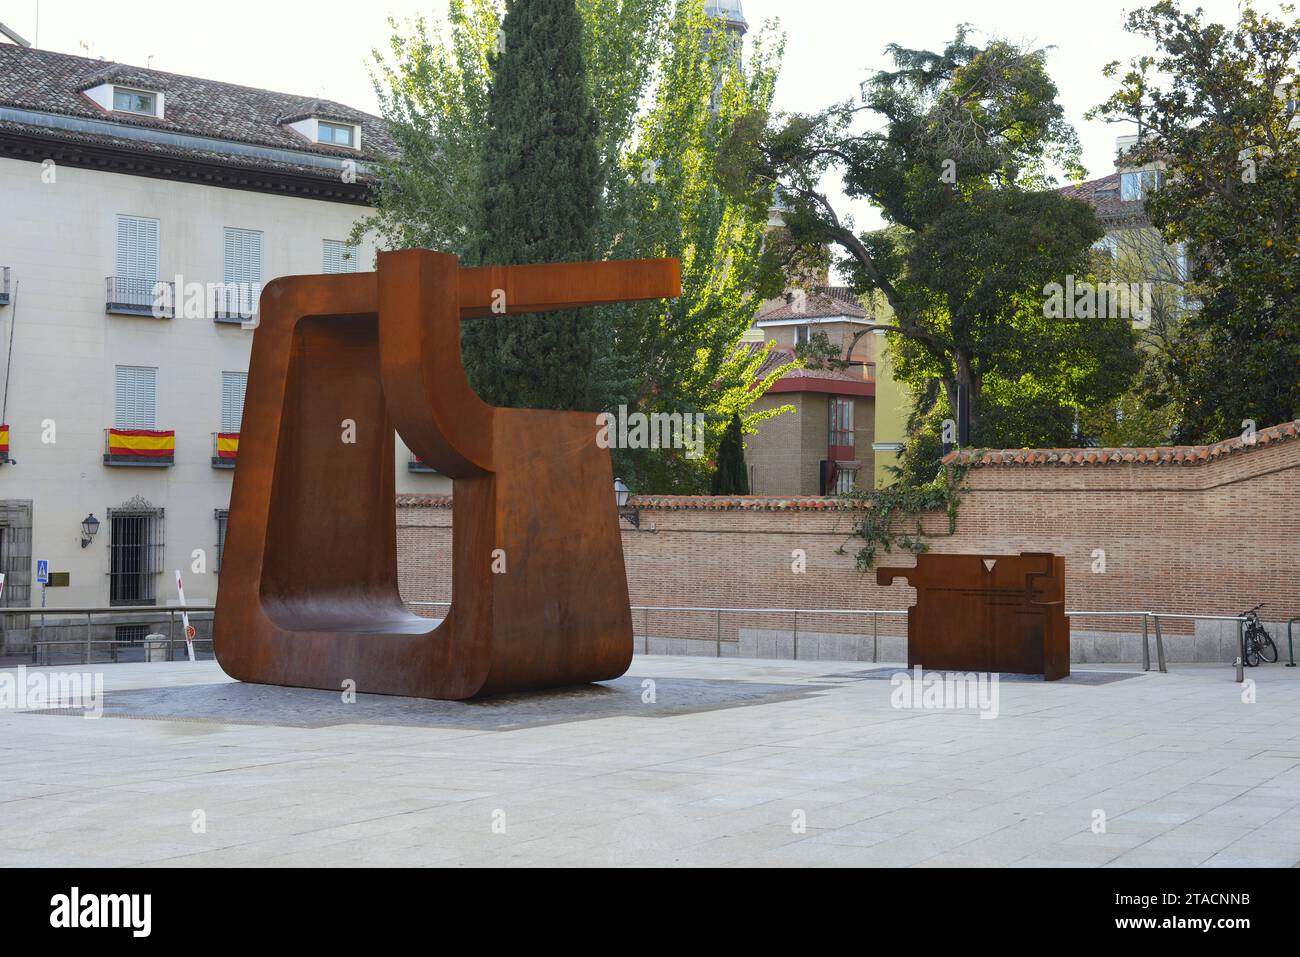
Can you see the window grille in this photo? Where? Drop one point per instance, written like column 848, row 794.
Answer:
column 223, row 516
column 135, row 553
column 130, row 634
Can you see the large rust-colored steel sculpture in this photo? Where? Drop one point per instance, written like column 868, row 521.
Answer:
column 308, row 593
column 987, row 613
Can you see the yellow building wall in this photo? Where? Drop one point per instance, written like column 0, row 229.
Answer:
column 892, row 406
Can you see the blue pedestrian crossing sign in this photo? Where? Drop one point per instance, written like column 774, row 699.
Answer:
column 42, row 571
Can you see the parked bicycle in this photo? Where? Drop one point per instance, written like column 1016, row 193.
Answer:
column 1258, row 645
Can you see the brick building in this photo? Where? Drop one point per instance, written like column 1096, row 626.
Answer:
column 824, row 445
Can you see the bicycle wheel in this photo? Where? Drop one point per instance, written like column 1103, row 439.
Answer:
column 1267, row 650
column 1252, row 650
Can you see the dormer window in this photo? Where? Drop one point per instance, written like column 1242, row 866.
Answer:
column 135, row 101
column 312, row 123
column 335, row 134
column 1139, row 184
column 125, row 99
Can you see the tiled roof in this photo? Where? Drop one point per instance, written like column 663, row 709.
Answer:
column 851, row 374
column 783, row 357
column 48, row 82
column 1163, row 455
column 774, row 358
column 1103, row 196
column 820, row 302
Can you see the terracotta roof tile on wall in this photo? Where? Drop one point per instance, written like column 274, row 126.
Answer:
column 680, row 503
column 419, row 500
column 753, row 503
column 1163, row 455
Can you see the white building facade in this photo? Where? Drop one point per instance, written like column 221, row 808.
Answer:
column 131, row 203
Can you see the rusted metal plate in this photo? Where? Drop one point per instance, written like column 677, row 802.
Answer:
column 992, row 613
column 308, row 591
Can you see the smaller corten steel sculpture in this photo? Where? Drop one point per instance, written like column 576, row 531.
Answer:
column 308, row 592
column 987, row 613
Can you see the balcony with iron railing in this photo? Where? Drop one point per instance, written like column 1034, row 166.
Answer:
column 139, row 448
column 415, row 465
column 140, row 297
column 235, row 303
column 225, row 449
column 4, row 285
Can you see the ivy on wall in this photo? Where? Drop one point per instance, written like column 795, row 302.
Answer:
column 891, row 517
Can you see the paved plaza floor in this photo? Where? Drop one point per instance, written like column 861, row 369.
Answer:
column 684, row 761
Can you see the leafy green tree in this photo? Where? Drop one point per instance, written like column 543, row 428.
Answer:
column 651, row 75
column 820, row 353
column 954, row 149
column 1217, row 106
column 731, row 477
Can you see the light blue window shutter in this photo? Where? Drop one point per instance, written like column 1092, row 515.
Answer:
column 339, row 257
column 137, row 248
column 233, row 387
column 136, row 390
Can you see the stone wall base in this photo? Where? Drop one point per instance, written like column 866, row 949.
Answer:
column 1212, row 642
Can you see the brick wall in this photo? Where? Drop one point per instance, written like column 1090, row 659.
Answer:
column 1202, row 530
column 775, row 454
column 785, row 455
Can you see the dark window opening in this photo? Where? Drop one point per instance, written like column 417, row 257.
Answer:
column 135, row 556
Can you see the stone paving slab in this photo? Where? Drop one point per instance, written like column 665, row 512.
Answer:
column 747, row 763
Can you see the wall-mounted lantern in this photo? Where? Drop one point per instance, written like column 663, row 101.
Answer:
column 621, row 495
column 89, row 527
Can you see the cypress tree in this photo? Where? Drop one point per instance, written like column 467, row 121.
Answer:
column 731, row 476
column 539, row 187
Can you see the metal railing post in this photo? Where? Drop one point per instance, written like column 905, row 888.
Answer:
column 718, row 634
column 1241, row 652
column 171, row 636
column 87, row 637
column 1146, row 647
column 875, row 637
column 1160, row 646
column 645, row 636
column 796, row 635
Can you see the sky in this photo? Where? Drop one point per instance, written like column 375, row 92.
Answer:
column 321, row 48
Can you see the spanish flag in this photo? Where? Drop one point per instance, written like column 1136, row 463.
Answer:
column 228, row 445
column 141, row 442
column 4, row 440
